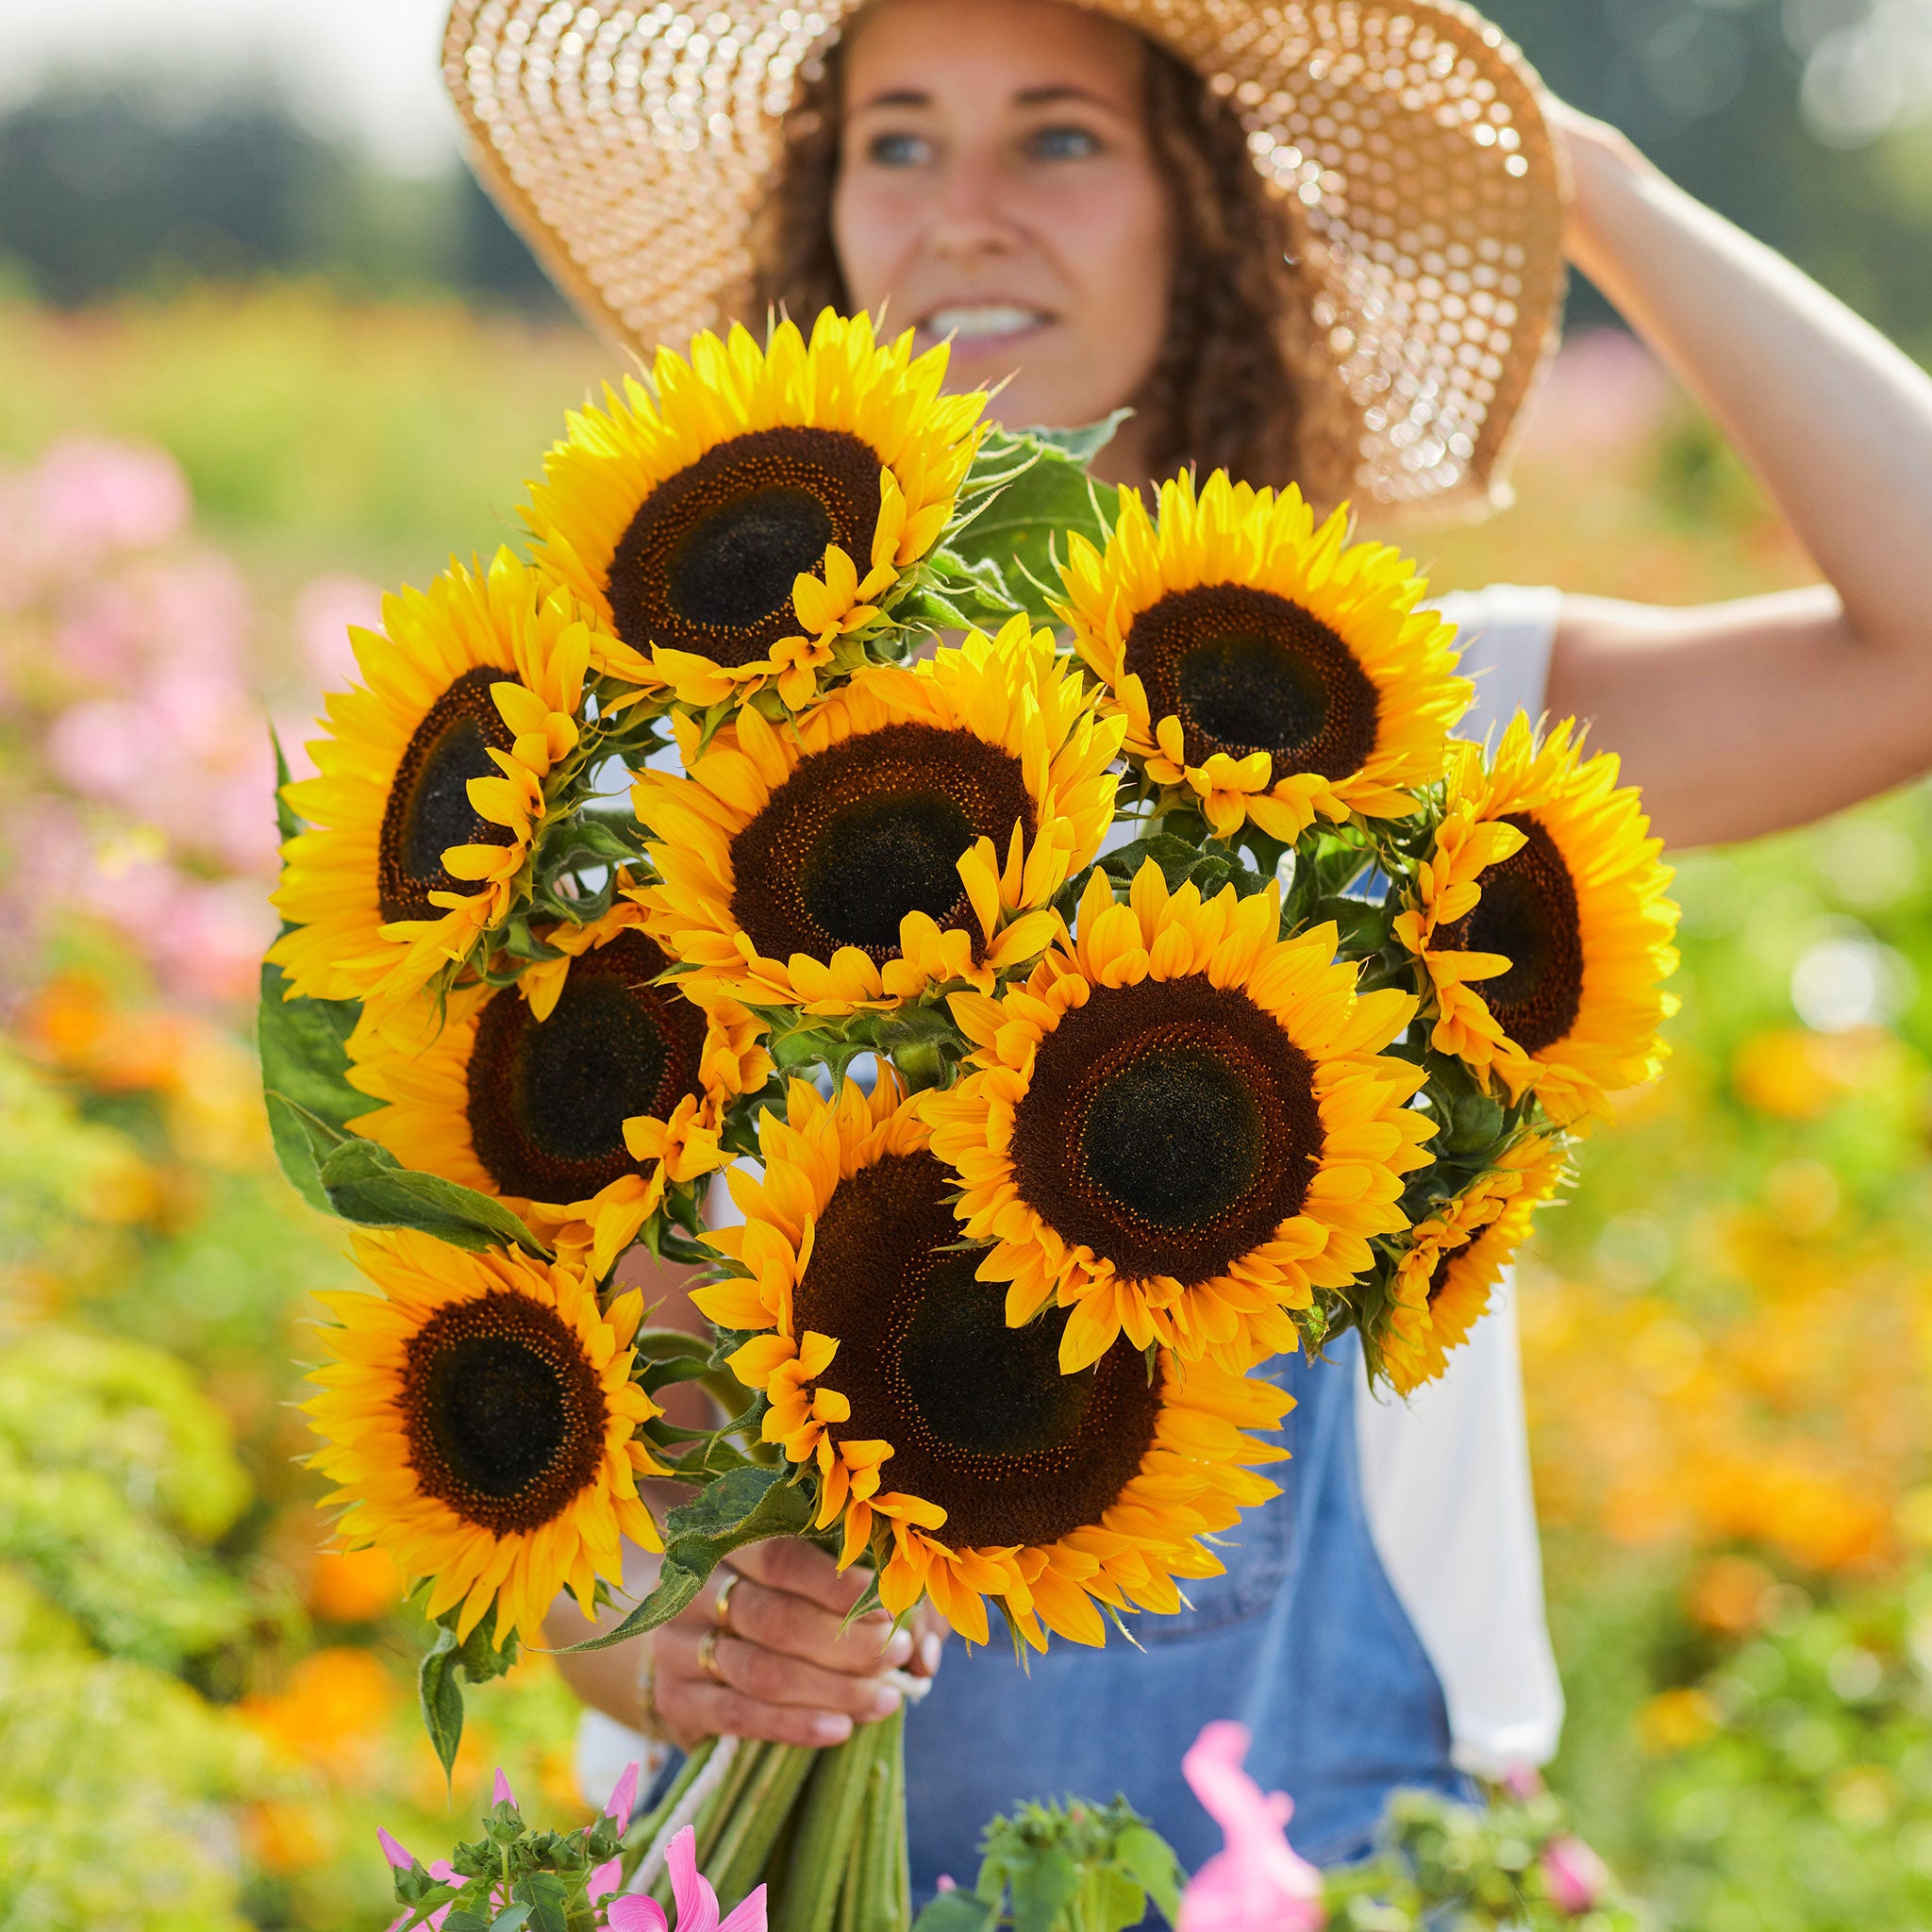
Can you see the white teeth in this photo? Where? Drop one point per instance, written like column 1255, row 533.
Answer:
column 991, row 319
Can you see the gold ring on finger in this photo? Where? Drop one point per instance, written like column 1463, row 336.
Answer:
column 721, row 1604
column 708, row 1658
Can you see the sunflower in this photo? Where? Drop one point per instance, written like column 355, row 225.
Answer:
column 1270, row 667
column 576, row 1096
column 1455, row 1258
column 1539, row 921
column 482, row 1427
column 733, row 521
column 910, row 829
column 883, row 1357
column 1181, row 1125
column 430, row 785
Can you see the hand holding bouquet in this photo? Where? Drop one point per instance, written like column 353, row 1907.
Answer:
column 1074, row 1029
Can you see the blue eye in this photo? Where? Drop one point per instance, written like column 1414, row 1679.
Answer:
column 1064, row 144
column 897, row 150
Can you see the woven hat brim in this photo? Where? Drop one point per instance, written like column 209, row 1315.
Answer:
column 631, row 147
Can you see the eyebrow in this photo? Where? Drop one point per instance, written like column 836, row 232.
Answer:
column 1028, row 98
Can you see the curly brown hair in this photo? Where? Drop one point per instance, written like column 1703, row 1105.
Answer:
column 1240, row 383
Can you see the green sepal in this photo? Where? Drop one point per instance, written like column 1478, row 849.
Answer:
column 747, row 1505
column 366, row 1184
column 287, row 824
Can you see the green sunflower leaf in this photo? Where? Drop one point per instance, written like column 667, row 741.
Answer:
column 366, row 1184
column 479, row 1659
column 1086, row 442
column 747, row 1505
column 305, row 1064
column 1023, row 493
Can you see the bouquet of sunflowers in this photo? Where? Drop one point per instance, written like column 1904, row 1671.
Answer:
column 1068, row 928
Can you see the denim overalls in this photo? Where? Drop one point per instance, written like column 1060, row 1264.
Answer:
column 1303, row 1641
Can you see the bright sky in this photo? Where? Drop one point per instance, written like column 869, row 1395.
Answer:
column 361, row 69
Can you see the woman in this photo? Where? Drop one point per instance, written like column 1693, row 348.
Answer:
column 1307, row 244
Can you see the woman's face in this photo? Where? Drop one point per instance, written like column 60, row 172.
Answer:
column 996, row 185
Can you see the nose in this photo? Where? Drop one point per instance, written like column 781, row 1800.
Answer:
column 970, row 223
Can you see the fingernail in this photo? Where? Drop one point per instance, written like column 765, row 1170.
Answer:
column 929, row 1647
column 830, row 1727
column 885, row 1701
column 899, row 1649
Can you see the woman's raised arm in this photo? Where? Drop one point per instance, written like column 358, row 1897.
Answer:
column 1741, row 718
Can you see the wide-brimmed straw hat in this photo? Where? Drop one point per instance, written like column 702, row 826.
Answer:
column 631, row 145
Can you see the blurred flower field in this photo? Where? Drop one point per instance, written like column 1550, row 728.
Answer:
column 1727, row 1329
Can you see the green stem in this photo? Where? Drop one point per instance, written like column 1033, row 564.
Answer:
column 721, row 1806
column 827, row 1833
column 761, row 1811
column 689, row 1796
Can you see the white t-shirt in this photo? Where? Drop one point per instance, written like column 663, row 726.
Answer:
column 1444, row 1475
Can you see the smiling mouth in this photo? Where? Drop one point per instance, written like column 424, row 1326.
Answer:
column 969, row 324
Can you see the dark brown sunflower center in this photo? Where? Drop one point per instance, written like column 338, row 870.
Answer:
column 548, row 1098
column 429, row 809
column 980, row 1418
column 1246, row 671
column 1528, row 914
column 502, row 1412
column 1170, row 1126
column 708, row 562
column 869, row 830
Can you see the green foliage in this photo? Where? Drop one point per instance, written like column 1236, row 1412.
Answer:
column 1809, row 1806
column 1442, row 1865
column 112, row 1779
column 513, row 1878
column 116, row 1473
column 1064, row 1867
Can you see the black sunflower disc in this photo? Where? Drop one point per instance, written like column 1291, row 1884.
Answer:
column 1246, row 671
column 708, row 562
column 869, row 830
column 1170, row 1126
column 980, row 1418
column 548, row 1098
column 1528, row 914
column 429, row 809
column 504, row 1414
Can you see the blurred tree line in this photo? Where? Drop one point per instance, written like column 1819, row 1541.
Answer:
column 119, row 187
column 1810, row 122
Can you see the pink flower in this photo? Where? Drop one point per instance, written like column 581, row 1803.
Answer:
column 402, row 1860
column 608, row 1875
column 500, row 1792
column 1576, row 1876
column 325, row 609
column 110, row 495
column 698, row 1904
column 1258, row 1884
